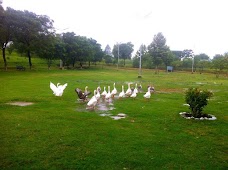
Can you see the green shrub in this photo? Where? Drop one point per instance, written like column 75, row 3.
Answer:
column 197, row 100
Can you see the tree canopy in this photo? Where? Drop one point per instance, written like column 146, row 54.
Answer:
column 34, row 35
column 158, row 49
column 123, row 50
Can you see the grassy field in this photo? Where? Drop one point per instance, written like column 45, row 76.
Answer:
column 60, row 133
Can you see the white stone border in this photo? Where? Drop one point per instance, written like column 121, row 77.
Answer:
column 202, row 118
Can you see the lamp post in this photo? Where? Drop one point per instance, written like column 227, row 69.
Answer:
column 140, row 63
column 192, row 63
column 118, row 56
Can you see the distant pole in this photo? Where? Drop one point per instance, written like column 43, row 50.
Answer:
column 192, row 63
column 140, row 63
column 118, row 56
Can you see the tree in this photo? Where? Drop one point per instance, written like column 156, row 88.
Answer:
column 219, row 62
column 5, row 32
column 140, row 53
column 60, row 51
column 188, row 54
column 177, row 64
column 46, row 48
column 124, row 50
column 84, row 50
column 27, row 28
column 70, row 42
column 177, row 54
column 108, row 59
column 168, row 59
column 108, row 50
column 201, row 61
column 96, row 53
column 158, row 50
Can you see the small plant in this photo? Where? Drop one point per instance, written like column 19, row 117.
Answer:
column 197, row 100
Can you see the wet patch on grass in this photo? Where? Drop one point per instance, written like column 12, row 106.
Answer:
column 20, row 103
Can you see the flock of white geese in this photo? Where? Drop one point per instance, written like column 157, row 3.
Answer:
column 106, row 95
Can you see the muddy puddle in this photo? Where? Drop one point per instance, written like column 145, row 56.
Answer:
column 102, row 108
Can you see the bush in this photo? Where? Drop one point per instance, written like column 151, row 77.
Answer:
column 197, row 100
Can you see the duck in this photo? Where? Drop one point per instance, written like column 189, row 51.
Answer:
column 114, row 91
column 58, row 89
column 148, row 94
column 129, row 91
column 122, row 94
column 108, row 95
column 104, row 93
column 93, row 101
column 80, row 94
column 83, row 95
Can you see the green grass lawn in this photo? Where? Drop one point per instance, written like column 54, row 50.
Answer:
column 59, row 133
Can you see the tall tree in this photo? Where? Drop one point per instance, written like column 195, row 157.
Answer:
column 158, row 50
column 46, row 48
column 60, row 51
column 96, row 53
column 220, row 62
column 69, row 40
column 177, row 54
column 201, row 60
column 108, row 50
column 5, row 32
column 84, row 50
column 168, row 59
column 28, row 27
column 123, row 51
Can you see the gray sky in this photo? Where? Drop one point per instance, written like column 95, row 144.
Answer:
column 200, row 25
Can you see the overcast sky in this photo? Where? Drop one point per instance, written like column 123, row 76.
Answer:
column 200, row 25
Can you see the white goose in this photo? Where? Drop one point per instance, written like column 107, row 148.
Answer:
column 114, row 91
column 136, row 88
column 108, row 95
column 134, row 94
column 86, row 91
column 93, row 101
column 98, row 95
column 128, row 92
column 122, row 94
column 57, row 90
column 104, row 93
column 148, row 94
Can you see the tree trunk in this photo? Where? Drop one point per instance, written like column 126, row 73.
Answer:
column 4, row 56
column 81, row 64
column 156, row 69
column 73, row 62
column 49, row 64
column 30, row 62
